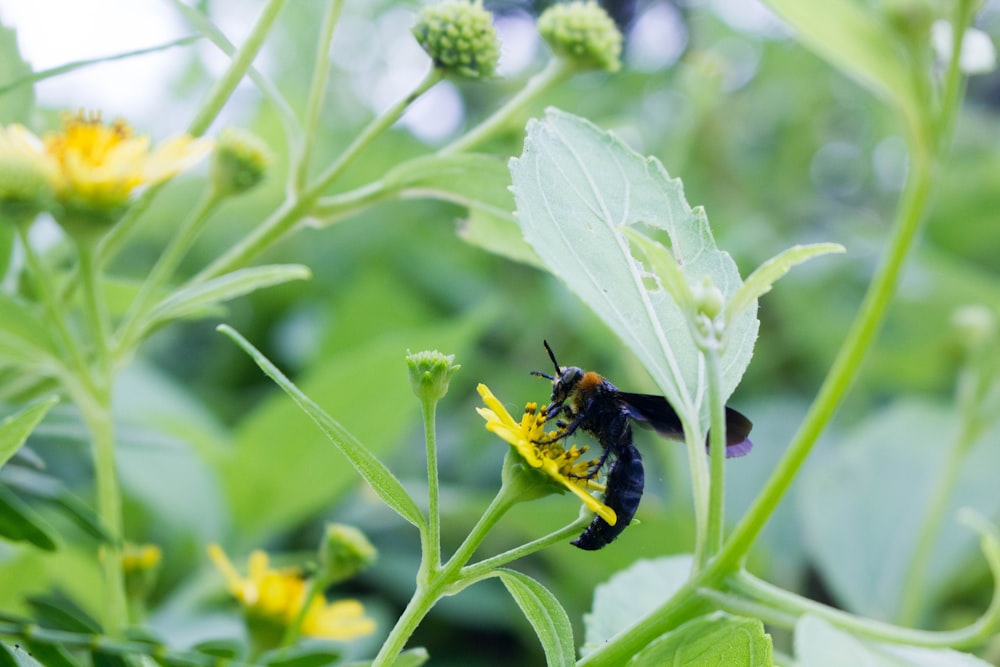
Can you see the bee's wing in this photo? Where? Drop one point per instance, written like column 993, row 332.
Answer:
column 657, row 413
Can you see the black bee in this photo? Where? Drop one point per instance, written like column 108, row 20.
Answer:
column 587, row 401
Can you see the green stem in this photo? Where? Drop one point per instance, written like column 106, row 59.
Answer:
column 914, row 586
column 57, row 318
column 97, row 416
column 241, row 62
column 160, row 274
column 556, row 71
column 317, row 92
column 717, row 451
column 219, row 95
column 441, row 581
column 420, row 604
column 294, row 210
column 794, row 606
column 700, row 490
column 858, row 341
column 482, row 569
column 94, row 307
column 294, row 628
column 432, row 555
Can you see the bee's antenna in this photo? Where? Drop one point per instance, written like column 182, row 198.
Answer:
column 552, row 356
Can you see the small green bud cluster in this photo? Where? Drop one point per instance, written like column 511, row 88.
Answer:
column 345, row 551
column 430, row 373
column 582, row 32
column 238, row 161
column 459, row 36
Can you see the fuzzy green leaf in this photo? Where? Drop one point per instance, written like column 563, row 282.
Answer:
column 382, row 481
column 15, row 656
column 195, row 300
column 709, row 641
column 16, row 428
column 545, row 614
column 853, row 38
column 20, row 523
column 300, row 656
column 498, row 235
column 577, row 188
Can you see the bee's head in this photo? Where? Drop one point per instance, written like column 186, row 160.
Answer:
column 565, row 379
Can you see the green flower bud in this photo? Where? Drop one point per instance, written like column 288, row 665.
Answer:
column 975, row 325
column 345, row 551
column 238, row 161
column 459, row 36
column 582, row 32
column 430, row 373
column 708, row 299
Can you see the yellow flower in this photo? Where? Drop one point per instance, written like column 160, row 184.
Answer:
column 277, row 595
column 101, row 165
column 544, row 451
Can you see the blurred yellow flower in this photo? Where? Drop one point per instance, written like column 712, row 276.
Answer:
column 141, row 557
column 277, row 595
column 100, row 165
column 544, row 451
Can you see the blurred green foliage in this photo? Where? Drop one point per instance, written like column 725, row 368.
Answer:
column 778, row 147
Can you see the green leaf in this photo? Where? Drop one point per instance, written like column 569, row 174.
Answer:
column 819, row 644
column 545, row 614
column 631, row 594
column 20, row 523
column 500, row 236
column 476, row 181
column 23, row 337
column 576, row 189
column 308, row 655
column 851, row 37
column 717, row 639
column 862, row 541
column 764, row 276
column 193, row 301
column 382, row 481
column 15, row 429
column 51, row 655
column 15, row 656
column 15, row 104
column 58, row 611
column 232, row 649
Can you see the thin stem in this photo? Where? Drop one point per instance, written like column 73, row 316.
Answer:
column 914, row 586
column 241, row 62
column 481, row 569
column 94, row 307
column 432, row 557
column 164, row 268
column 97, row 416
column 556, row 71
column 700, row 483
column 294, row 210
column 858, row 341
column 291, row 635
column 796, row 605
column 47, row 292
column 717, row 451
column 317, row 91
column 436, row 582
column 421, row 603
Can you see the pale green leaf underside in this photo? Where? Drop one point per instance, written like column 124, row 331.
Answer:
column 576, row 188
